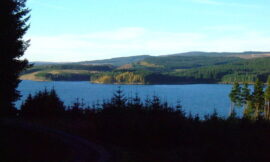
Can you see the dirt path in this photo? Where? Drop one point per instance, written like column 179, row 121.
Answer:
column 83, row 150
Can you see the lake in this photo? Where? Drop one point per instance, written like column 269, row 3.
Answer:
column 201, row 99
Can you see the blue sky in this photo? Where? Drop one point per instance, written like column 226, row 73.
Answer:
column 68, row 30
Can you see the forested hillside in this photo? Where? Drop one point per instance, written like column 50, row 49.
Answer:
column 119, row 61
column 64, row 72
column 198, row 67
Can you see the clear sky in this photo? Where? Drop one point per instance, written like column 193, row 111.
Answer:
column 78, row 30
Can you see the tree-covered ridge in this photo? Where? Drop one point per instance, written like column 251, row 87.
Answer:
column 187, row 62
column 70, row 67
column 241, row 71
column 119, row 61
column 64, row 72
column 172, row 69
column 65, row 75
column 201, row 53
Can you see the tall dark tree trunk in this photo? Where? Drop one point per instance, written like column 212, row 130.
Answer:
column 257, row 111
column 268, row 110
column 265, row 110
column 231, row 109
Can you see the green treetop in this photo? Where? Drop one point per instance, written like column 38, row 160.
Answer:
column 245, row 94
column 235, row 96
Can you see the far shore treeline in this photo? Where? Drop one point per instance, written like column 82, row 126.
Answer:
column 171, row 69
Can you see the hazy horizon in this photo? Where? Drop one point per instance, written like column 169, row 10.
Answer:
column 70, row 31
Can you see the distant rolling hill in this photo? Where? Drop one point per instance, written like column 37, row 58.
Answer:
column 40, row 63
column 200, row 53
column 119, row 61
column 189, row 67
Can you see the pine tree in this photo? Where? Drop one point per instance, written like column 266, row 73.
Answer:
column 235, row 96
column 135, row 102
column 43, row 104
column 258, row 98
column 267, row 99
column 119, row 100
column 245, row 95
column 249, row 110
column 28, row 103
column 14, row 17
column 147, row 102
column 156, row 103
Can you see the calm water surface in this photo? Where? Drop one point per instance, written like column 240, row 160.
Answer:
column 199, row 99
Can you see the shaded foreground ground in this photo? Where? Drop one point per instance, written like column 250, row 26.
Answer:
column 212, row 140
column 23, row 141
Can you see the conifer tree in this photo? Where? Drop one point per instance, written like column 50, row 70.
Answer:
column 267, row 99
column 245, row 95
column 14, row 17
column 249, row 110
column 43, row 104
column 235, row 96
column 258, row 98
column 119, row 100
column 156, row 103
column 147, row 102
column 135, row 102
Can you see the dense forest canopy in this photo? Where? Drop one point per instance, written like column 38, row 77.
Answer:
column 193, row 67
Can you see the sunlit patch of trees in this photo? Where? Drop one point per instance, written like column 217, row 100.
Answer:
column 215, row 71
column 120, row 78
column 169, row 70
column 256, row 102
